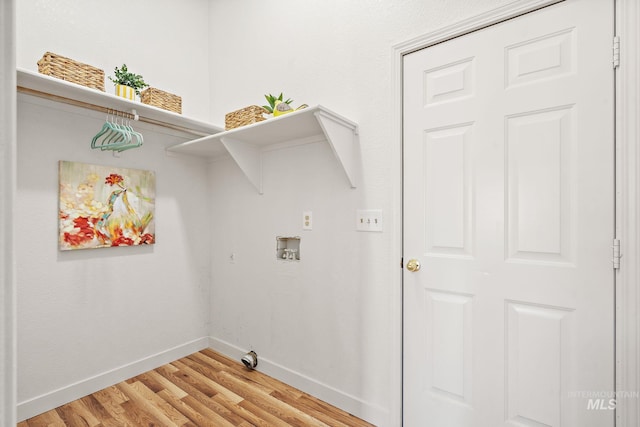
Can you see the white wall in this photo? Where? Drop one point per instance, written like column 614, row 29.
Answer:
column 89, row 318
column 311, row 317
column 334, row 319
column 84, row 313
column 7, row 199
column 163, row 40
column 329, row 322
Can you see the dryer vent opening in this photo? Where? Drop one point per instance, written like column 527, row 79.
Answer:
column 250, row 360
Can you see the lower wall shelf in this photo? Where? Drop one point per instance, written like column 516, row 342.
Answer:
column 246, row 144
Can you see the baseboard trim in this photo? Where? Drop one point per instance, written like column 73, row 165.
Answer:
column 349, row 403
column 48, row 401
column 352, row 404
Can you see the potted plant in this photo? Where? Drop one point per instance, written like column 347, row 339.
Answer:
column 274, row 101
column 128, row 84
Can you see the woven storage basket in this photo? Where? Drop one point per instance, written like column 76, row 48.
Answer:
column 161, row 99
column 244, row 116
column 67, row 69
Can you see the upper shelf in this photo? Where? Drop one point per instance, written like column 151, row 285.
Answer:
column 246, row 143
column 37, row 84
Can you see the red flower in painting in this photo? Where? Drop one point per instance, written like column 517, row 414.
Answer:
column 122, row 241
column 85, row 233
column 147, row 239
column 119, row 239
column 113, row 179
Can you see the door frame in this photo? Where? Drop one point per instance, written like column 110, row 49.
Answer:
column 627, row 136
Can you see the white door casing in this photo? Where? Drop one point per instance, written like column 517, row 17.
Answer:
column 628, row 214
column 508, row 204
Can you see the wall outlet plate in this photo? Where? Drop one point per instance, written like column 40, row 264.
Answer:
column 369, row 219
column 307, row 220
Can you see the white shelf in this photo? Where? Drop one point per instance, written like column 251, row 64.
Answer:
column 246, row 144
column 33, row 83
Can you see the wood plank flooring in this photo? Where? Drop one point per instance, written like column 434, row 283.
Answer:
column 203, row 389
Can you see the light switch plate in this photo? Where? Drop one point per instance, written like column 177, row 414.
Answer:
column 369, row 220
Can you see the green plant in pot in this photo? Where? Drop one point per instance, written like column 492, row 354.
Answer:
column 278, row 107
column 128, row 84
column 273, row 102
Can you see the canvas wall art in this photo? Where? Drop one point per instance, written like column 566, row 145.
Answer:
column 104, row 206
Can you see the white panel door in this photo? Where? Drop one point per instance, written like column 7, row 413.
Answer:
column 508, row 207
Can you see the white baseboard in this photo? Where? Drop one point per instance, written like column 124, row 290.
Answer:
column 333, row 396
column 48, row 401
column 351, row 404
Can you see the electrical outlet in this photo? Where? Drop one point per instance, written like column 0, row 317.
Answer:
column 307, row 220
column 369, row 220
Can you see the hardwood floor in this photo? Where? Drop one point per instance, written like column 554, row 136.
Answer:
column 203, row 389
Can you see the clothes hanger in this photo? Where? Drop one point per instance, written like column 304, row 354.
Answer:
column 111, row 134
column 138, row 136
column 116, row 135
column 119, row 137
column 106, row 131
column 132, row 144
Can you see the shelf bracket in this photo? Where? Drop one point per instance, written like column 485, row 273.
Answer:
column 249, row 159
column 343, row 140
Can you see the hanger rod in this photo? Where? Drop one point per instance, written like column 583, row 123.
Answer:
column 94, row 107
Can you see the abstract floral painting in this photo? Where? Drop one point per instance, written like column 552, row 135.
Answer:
column 103, row 206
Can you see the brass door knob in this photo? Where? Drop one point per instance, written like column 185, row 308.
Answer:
column 413, row 265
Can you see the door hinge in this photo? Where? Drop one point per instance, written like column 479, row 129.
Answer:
column 616, row 254
column 616, row 51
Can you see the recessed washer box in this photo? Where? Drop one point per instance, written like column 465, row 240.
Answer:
column 288, row 248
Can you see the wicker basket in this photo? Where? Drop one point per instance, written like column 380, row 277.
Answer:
column 72, row 71
column 161, row 99
column 244, row 116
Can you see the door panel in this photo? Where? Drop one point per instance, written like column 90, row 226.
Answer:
column 540, row 183
column 508, row 206
column 448, row 188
